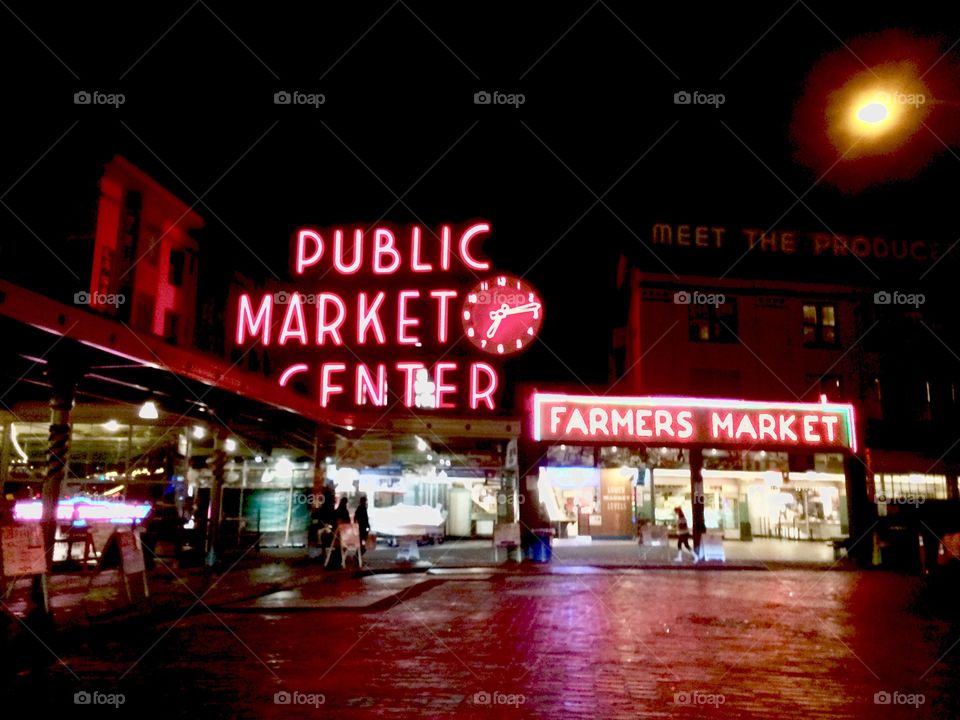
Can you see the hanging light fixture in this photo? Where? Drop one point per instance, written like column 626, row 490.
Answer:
column 148, row 411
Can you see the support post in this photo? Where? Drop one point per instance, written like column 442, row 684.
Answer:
column 863, row 512
column 63, row 384
column 697, row 498
column 216, row 495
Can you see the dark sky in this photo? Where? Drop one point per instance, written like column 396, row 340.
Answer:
column 399, row 120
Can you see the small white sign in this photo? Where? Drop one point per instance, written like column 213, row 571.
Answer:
column 506, row 535
column 23, row 551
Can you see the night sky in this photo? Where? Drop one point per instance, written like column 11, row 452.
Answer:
column 399, row 136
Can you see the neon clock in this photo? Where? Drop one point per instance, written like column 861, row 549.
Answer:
column 502, row 315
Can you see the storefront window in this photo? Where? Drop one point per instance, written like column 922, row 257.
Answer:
column 570, row 456
column 905, row 487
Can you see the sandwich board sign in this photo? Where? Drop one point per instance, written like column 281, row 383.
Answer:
column 23, row 551
column 124, row 550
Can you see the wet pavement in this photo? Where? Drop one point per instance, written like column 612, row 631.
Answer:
column 496, row 642
column 760, row 552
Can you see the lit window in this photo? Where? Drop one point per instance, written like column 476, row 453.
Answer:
column 820, row 324
column 713, row 323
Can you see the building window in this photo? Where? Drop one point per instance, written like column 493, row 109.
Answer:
column 820, row 324
column 175, row 274
column 825, row 386
column 171, row 327
column 713, row 323
column 142, row 312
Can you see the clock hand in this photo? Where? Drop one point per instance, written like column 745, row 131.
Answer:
column 499, row 314
column 533, row 307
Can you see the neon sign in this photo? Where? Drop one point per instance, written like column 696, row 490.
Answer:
column 690, row 421
column 383, row 309
column 85, row 509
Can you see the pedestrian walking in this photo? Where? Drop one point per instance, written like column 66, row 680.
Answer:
column 362, row 519
column 683, row 539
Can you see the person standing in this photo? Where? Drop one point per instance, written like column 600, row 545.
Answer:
column 343, row 512
column 683, row 532
column 362, row 519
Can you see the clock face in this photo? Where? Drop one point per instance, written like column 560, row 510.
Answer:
column 502, row 315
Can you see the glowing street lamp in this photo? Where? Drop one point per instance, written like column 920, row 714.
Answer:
column 872, row 111
column 877, row 111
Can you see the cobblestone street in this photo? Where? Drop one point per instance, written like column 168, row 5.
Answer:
column 571, row 643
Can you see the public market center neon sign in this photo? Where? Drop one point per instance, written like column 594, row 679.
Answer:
column 382, row 309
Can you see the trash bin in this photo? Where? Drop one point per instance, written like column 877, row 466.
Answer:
column 541, row 550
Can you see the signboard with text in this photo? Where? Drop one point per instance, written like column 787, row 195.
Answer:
column 712, row 422
column 23, row 551
column 385, row 316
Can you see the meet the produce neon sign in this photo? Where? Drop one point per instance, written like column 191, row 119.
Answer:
column 689, row 421
column 384, row 305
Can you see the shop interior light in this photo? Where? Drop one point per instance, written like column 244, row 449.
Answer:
column 111, row 426
column 230, row 445
column 199, row 432
column 283, row 468
column 258, row 458
column 421, row 444
column 15, row 442
column 148, row 411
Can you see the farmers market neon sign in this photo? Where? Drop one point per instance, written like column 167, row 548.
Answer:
column 691, row 421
